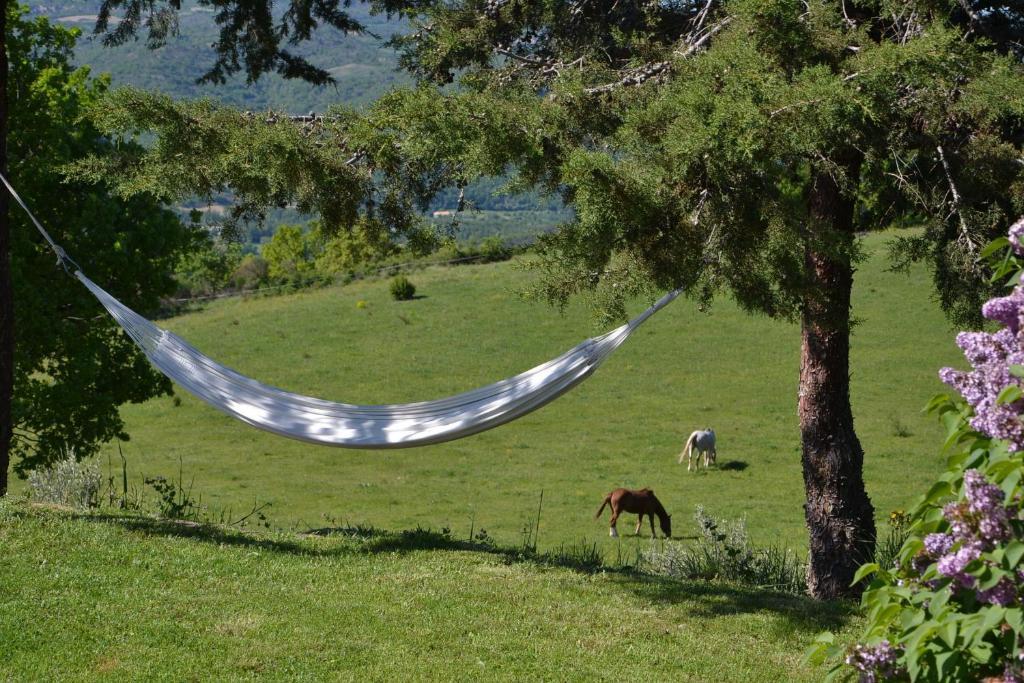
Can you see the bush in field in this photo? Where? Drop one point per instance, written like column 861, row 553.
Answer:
column 402, row 289
column 724, row 551
column 251, row 273
column 66, row 482
column 950, row 606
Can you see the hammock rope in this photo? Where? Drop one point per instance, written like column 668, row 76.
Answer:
column 347, row 425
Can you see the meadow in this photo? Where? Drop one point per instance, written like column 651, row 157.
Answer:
column 392, row 586
column 684, row 369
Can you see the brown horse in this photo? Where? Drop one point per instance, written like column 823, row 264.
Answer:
column 642, row 502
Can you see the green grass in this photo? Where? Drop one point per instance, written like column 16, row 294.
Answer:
column 117, row 598
column 623, row 427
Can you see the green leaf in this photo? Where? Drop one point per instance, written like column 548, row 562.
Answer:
column 1015, row 618
column 937, row 603
column 1012, row 553
column 1011, row 482
column 1009, row 394
column 939, row 490
column 994, row 246
column 947, row 633
column 865, row 570
column 982, row 653
column 1015, row 370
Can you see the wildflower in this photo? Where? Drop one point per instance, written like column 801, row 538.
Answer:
column 1016, row 233
column 874, row 661
column 955, row 564
column 937, row 545
column 1003, row 593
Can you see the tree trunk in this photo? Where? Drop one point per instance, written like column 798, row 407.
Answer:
column 6, row 286
column 840, row 517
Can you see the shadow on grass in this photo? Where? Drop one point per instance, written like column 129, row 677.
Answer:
column 715, row 599
column 355, row 540
column 734, row 466
column 703, row 598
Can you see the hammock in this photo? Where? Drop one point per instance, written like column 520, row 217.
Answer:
column 356, row 426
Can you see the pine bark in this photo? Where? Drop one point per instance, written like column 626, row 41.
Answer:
column 839, row 514
column 6, row 285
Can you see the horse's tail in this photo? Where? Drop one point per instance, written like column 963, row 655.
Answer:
column 688, row 447
column 607, row 500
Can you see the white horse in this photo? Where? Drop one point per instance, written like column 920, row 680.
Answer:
column 704, row 443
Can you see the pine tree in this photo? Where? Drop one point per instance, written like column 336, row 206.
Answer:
column 736, row 145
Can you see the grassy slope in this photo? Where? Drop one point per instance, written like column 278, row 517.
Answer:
column 131, row 599
column 623, row 427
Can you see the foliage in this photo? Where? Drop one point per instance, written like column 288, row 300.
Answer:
column 208, row 269
column 252, row 272
column 288, row 254
column 723, row 551
column 401, row 288
column 174, row 501
column 686, row 141
column 950, row 606
column 73, row 366
column 67, row 482
column 362, row 247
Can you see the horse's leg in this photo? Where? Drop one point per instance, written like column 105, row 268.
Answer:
column 639, row 523
column 651, row 518
column 612, row 531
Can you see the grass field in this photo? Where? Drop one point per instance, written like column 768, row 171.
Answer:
column 623, row 427
column 96, row 598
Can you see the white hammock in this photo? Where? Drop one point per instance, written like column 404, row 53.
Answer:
column 341, row 424
column 354, row 426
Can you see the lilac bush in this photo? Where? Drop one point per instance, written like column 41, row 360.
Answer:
column 951, row 608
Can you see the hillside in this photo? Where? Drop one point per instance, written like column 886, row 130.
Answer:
column 362, row 66
column 623, row 427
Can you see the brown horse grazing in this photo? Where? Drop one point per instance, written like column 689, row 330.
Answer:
column 642, row 502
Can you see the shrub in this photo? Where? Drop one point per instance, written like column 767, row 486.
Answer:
column 724, row 551
column 402, row 289
column 950, row 607
column 67, row 482
column 251, row 273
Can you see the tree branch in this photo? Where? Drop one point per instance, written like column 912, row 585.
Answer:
column 965, row 238
column 653, row 69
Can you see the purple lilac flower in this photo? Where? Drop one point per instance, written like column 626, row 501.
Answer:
column 1003, row 593
column 959, row 524
column 1016, row 235
column 1006, row 309
column 874, row 661
column 985, row 500
column 1011, row 674
column 982, row 495
column 954, row 564
column 937, row 545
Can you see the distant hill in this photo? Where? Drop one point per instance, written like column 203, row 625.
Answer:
column 362, row 65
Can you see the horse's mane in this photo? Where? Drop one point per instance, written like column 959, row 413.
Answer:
column 659, row 509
